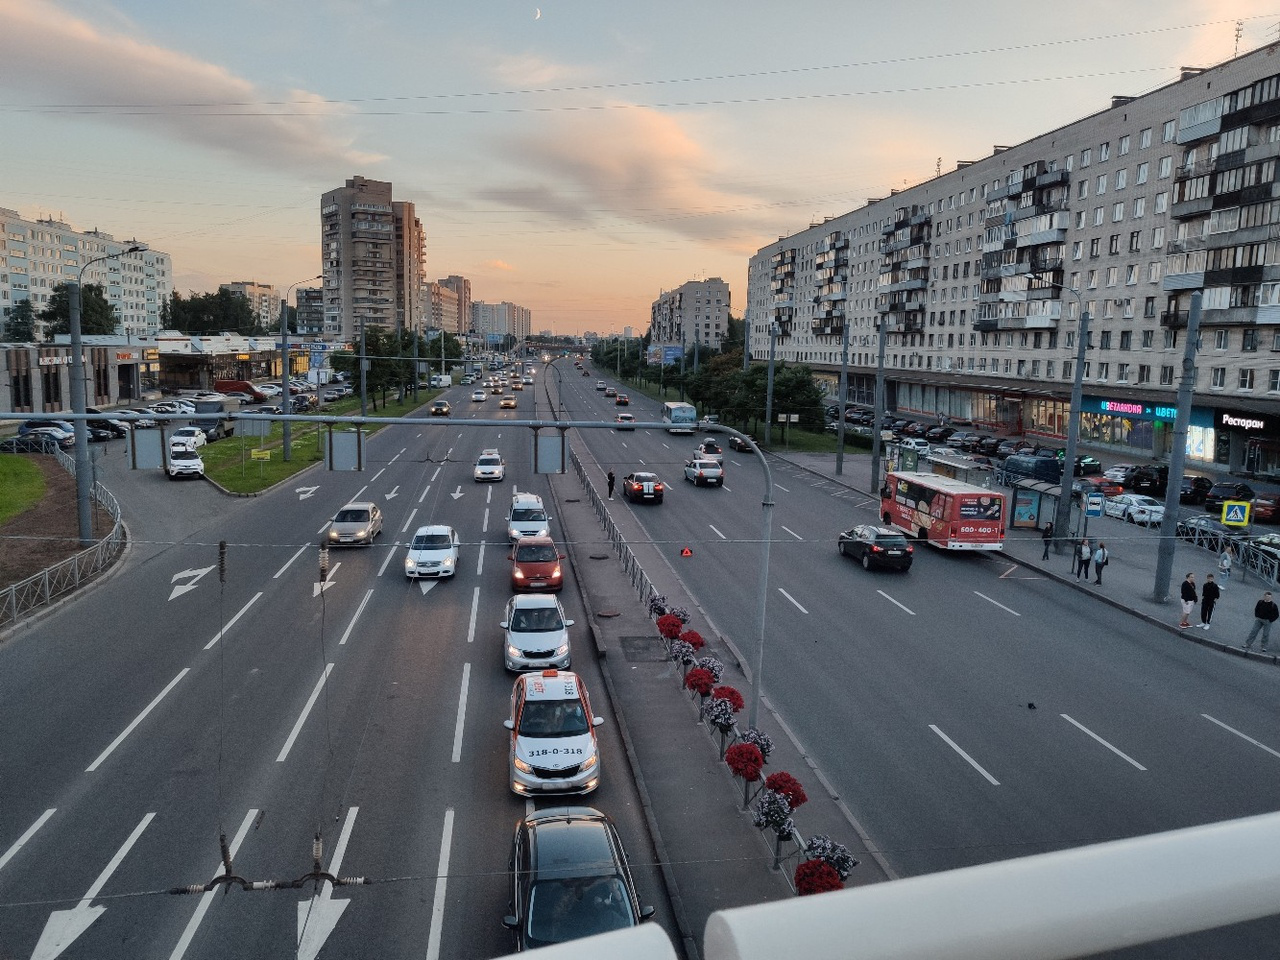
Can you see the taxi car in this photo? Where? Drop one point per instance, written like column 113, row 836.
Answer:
column 489, row 466
column 536, row 633
column 704, row 473
column 357, row 522
column 508, row 402
column 433, row 552
column 553, row 740
column 642, row 486
column 535, row 564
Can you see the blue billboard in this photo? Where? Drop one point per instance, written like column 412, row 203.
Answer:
column 664, row 355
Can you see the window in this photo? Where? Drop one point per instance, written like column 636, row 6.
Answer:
column 1166, row 167
column 1273, row 380
column 1104, row 370
column 1104, row 152
column 1066, row 369
column 1166, row 375
column 1093, row 280
column 1080, row 215
column 1113, row 274
column 1148, row 311
column 1221, row 339
column 1249, row 341
column 1082, row 189
column 1113, row 245
column 1246, row 378
column 1218, row 378
column 1141, row 177
column 1131, row 274
column 1124, row 145
column 1144, row 373
column 1144, row 138
column 1102, row 185
column 1126, row 339
column 1086, row 157
column 1122, row 179
column 1139, row 208
column 1095, row 246
column 1157, row 237
column 1122, row 373
column 1162, row 202
column 1155, row 270
column 1169, row 132
column 1135, row 241
column 1117, row 212
column 1048, row 370
column 1077, row 249
column 1170, row 339
column 1099, row 216
column 1104, row 341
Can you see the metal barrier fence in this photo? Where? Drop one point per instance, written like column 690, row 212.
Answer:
column 1259, row 560
column 62, row 578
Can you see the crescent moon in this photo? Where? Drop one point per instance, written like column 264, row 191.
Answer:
column 537, row 13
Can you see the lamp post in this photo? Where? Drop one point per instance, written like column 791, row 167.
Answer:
column 682, row 349
column 84, row 477
column 286, row 398
column 882, row 336
column 774, row 329
column 844, row 389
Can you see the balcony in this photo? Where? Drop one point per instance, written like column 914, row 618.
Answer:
column 1175, row 319
column 1052, row 178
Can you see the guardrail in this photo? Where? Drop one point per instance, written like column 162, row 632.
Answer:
column 1264, row 563
column 62, row 578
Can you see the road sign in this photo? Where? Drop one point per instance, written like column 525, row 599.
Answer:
column 260, row 454
column 1093, row 504
column 1235, row 513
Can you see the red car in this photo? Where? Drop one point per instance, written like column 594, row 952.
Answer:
column 1266, row 508
column 1108, row 488
column 535, row 564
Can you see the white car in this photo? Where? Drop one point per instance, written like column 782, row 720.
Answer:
column 187, row 438
column 536, row 633
column 709, row 449
column 268, row 389
column 489, row 467
column 1135, row 508
column 553, row 738
column 433, row 552
column 914, row 443
column 184, row 462
column 704, row 472
column 1118, row 472
column 478, row 396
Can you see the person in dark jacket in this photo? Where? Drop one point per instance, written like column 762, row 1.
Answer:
column 1189, row 598
column 1209, row 596
column 1265, row 613
column 1084, row 553
column 1047, row 536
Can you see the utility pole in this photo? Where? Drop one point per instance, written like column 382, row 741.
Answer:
column 843, row 389
column 286, row 398
column 768, row 397
column 879, row 410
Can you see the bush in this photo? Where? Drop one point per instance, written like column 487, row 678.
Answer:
column 816, row 876
column 736, row 703
column 786, row 785
column 834, row 855
column 712, row 666
column 700, row 681
column 745, row 761
column 669, row 626
column 694, row 639
column 761, row 740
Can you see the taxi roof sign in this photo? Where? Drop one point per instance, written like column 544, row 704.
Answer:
column 1235, row 513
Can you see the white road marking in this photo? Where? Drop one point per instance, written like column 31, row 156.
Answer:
column 972, row 762
column 475, row 605
column 378, row 474
column 318, row 587
column 436, row 474
column 442, row 874
column 206, row 898
column 137, row 720
column 294, row 557
column 717, row 532
column 1242, row 736
column 426, row 586
column 641, row 462
column 778, row 486
column 462, row 713
column 998, row 604
column 793, row 600
column 318, row 532
column 195, row 576
column 232, row 622
column 488, row 495
column 27, row 835
column 390, row 554
column 484, row 527
column 359, row 493
column 412, row 513
column 425, row 490
column 793, row 533
column 302, row 717
column 666, row 446
column 895, row 602
column 356, row 616
column 318, row 916
column 724, row 488
column 480, row 558
column 1118, row 752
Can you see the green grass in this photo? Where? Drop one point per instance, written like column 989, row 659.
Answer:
column 21, row 485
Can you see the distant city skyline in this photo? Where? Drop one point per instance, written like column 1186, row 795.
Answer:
column 579, row 163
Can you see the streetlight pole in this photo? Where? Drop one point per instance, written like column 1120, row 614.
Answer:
column 682, row 349
column 286, row 398
column 844, row 389
column 364, row 370
column 768, row 397
column 879, row 410
column 84, row 477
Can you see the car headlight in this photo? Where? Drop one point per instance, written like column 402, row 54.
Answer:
column 556, row 574
column 513, row 651
column 409, row 563
column 362, row 533
column 517, row 573
column 448, row 561
column 588, row 763
column 543, row 532
column 521, row 765
column 333, row 534
column 562, row 649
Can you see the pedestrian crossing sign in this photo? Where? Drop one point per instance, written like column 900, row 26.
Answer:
column 1235, row 513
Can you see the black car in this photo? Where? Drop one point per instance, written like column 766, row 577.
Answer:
column 939, row 434
column 876, row 546
column 1223, row 491
column 569, row 879
column 974, row 441
column 1153, row 480
column 1194, row 489
column 989, row 446
column 740, row 445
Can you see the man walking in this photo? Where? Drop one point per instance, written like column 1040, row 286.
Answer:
column 1083, row 553
column 1100, row 557
column 1189, row 598
column 1208, row 600
column 1047, row 536
column 610, row 479
column 1265, row 613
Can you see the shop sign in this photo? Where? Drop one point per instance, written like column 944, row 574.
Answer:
column 1246, row 422
column 1130, row 408
column 126, row 356
column 59, row 361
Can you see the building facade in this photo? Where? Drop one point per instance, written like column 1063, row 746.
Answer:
column 493, row 321
column 694, row 312
column 310, row 305
column 443, row 313
column 977, row 278
column 262, row 297
column 38, row 255
column 411, row 259
column 461, row 288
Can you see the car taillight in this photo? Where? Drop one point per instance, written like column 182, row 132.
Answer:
column 657, row 486
column 911, row 549
column 876, row 548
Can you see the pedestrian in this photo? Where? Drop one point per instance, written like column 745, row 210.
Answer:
column 1047, row 537
column 1208, row 600
column 1083, row 556
column 1100, row 557
column 1224, row 565
column 610, row 478
column 1189, row 598
column 1265, row 613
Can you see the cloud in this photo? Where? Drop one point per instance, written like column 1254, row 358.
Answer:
column 69, row 66
column 497, row 265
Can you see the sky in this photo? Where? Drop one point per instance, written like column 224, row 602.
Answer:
column 576, row 157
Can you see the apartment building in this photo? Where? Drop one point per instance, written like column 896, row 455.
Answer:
column 444, row 312
column 310, row 304
column 493, row 321
column 411, row 259
column 694, row 312
column 1131, row 209
column 262, row 297
column 461, row 288
column 38, row 255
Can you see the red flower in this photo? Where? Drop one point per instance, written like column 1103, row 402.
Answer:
column 816, row 876
column 787, row 785
column 733, row 696
column 669, row 626
column 745, row 760
column 694, row 639
column 700, row 681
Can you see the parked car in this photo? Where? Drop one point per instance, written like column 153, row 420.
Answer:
column 1223, row 491
column 1008, row 448
column 1108, row 488
column 874, row 546
column 958, row 440
column 1266, row 508
column 62, row 425
column 1153, row 480
column 185, row 462
column 1120, row 472
column 190, row 437
column 1194, row 489
column 918, row 444
column 939, row 434
column 1135, row 508
column 54, row 434
column 553, row 740
column 704, row 472
column 433, row 552
column 642, row 486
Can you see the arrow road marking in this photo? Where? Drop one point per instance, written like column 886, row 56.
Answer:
column 206, row 898
column 195, row 576
column 457, row 493
column 137, row 720
column 64, row 926
column 305, row 492
column 318, row 916
column 392, row 495
column 425, row 586
column 318, row 588
column 442, row 873
column 22, row 840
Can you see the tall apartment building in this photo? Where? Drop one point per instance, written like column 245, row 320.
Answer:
column 444, row 311
column 373, row 255
column 493, row 321
column 461, row 287
column 37, row 255
column 694, row 312
column 262, row 297
column 1133, row 209
column 310, row 305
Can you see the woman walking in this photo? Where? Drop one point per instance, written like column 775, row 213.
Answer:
column 1047, row 536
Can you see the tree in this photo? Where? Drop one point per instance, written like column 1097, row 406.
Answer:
column 97, row 316
column 20, row 327
column 206, row 314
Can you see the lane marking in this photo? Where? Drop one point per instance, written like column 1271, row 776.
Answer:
column 480, row 559
column 322, row 529
column 294, row 557
column 1242, row 736
column 302, row 717
column 206, row 898
column 1117, row 751
column 442, row 874
column 137, row 720
column 462, row 713
column 27, row 835
column 436, row 474
column 412, row 513
column 360, row 492
column 666, row 446
column 793, row 533
column 397, row 456
column 793, row 600
column 778, row 486
column 724, row 488
column 475, row 605
column 425, row 490
column 488, row 495
column 895, row 602
column 997, row 603
column 232, row 622
column 972, row 762
column 717, row 532
column 641, row 462
column 378, row 474
column 391, row 552
column 352, row 625
column 484, row 527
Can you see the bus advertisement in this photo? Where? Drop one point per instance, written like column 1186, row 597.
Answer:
column 943, row 511
column 679, row 417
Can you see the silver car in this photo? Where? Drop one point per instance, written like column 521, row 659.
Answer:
column 537, row 634
column 355, row 523
column 704, row 473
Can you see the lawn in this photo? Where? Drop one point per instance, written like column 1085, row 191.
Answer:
column 21, row 485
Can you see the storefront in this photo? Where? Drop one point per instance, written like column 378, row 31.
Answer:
column 1144, row 429
column 1248, row 443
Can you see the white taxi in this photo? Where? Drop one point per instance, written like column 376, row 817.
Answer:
column 433, row 552
column 489, row 466
column 553, row 739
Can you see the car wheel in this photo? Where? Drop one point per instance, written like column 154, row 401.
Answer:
column 1129, row 516
column 840, row 548
column 866, row 561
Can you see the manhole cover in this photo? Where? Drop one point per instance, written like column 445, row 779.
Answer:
column 608, row 614
column 648, row 649
column 599, row 556
column 572, row 500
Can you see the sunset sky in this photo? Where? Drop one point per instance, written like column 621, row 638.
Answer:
column 577, row 157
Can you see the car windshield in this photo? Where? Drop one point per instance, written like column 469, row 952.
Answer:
column 489, row 462
column 351, row 516
column 431, row 541
column 536, row 553
column 527, row 515
column 185, row 455
column 891, row 541
column 561, row 910
column 711, row 447
column 553, row 718
column 536, row 620
column 644, row 478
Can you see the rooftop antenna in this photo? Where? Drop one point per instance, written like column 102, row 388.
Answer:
column 937, row 168
column 1239, row 33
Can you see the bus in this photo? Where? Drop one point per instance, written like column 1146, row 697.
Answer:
column 943, row 511
column 679, row 417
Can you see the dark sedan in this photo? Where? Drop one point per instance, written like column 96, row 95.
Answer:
column 1223, row 491
column 1194, row 489
column 643, row 487
column 876, row 547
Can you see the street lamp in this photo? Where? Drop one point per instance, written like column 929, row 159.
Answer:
column 882, row 337
column 286, row 398
column 844, row 389
column 774, row 329
column 84, row 479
